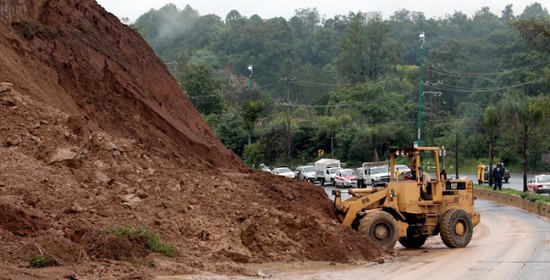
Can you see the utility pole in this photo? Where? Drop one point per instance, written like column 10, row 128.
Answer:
column 288, row 127
column 419, row 124
column 433, row 95
column 456, row 154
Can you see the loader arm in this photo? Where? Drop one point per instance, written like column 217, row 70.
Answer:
column 352, row 207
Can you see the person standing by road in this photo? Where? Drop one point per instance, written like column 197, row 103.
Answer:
column 498, row 173
column 480, row 172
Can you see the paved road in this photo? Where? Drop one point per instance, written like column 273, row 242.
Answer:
column 508, row 244
column 515, row 182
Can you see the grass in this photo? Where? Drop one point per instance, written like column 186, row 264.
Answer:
column 42, row 261
column 527, row 195
column 153, row 242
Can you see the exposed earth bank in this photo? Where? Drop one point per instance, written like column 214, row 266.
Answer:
column 97, row 138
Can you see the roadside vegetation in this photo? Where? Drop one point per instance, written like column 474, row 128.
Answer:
column 527, row 195
column 286, row 92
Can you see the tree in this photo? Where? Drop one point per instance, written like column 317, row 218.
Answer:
column 535, row 31
column 529, row 114
column 332, row 125
column 251, row 111
column 253, row 154
column 366, row 49
column 202, row 87
column 228, row 126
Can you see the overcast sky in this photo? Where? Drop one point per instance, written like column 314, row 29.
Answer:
column 275, row 8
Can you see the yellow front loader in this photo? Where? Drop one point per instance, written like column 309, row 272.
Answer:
column 411, row 207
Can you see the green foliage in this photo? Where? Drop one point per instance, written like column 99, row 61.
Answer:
column 253, row 154
column 355, row 80
column 203, row 88
column 153, row 241
column 42, row 261
column 251, row 111
column 366, row 49
column 527, row 195
column 228, row 126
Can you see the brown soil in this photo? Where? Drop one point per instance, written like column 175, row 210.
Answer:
column 96, row 134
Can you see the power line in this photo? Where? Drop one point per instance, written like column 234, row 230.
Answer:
column 482, row 90
column 443, row 71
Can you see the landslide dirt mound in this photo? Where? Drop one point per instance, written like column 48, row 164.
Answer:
column 96, row 136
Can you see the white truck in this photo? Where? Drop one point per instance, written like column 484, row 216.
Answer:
column 325, row 170
column 373, row 173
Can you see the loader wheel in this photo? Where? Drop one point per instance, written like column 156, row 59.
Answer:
column 456, row 228
column 413, row 242
column 380, row 227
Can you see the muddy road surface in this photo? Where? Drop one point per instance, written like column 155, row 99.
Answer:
column 509, row 243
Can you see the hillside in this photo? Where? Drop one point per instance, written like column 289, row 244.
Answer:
column 96, row 135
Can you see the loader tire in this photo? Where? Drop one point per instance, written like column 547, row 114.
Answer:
column 456, row 228
column 413, row 242
column 380, row 227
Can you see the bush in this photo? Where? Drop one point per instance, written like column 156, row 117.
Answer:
column 152, row 241
column 42, row 261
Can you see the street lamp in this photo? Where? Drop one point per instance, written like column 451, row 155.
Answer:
column 251, row 70
column 422, row 38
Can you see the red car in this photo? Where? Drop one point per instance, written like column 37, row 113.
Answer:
column 539, row 184
column 345, row 178
column 506, row 177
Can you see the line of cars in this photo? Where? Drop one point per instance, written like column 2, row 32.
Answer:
column 337, row 176
column 329, row 171
column 377, row 173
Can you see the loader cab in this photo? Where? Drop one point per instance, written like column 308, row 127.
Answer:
column 425, row 170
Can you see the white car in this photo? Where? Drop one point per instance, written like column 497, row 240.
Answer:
column 345, row 178
column 540, row 184
column 284, row 171
column 306, row 173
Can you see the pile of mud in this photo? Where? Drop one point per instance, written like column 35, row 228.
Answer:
column 97, row 137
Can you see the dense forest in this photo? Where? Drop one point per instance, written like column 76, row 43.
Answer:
column 286, row 92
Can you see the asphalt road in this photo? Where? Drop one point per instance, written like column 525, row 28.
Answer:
column 507, row 244
column 515, row 182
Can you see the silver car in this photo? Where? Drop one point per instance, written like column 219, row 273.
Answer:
column 306, row 173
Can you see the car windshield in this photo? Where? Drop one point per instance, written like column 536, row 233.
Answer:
column 544, row 179
column 348, row 173
column 382, row 169
column 308, row 169
column 333, row 170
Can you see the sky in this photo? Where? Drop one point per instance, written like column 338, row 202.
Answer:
column 267, row 9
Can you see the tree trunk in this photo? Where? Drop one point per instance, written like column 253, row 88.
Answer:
column 491, row 161
column 332, row 145
column 456, row 155
column 525, row 155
